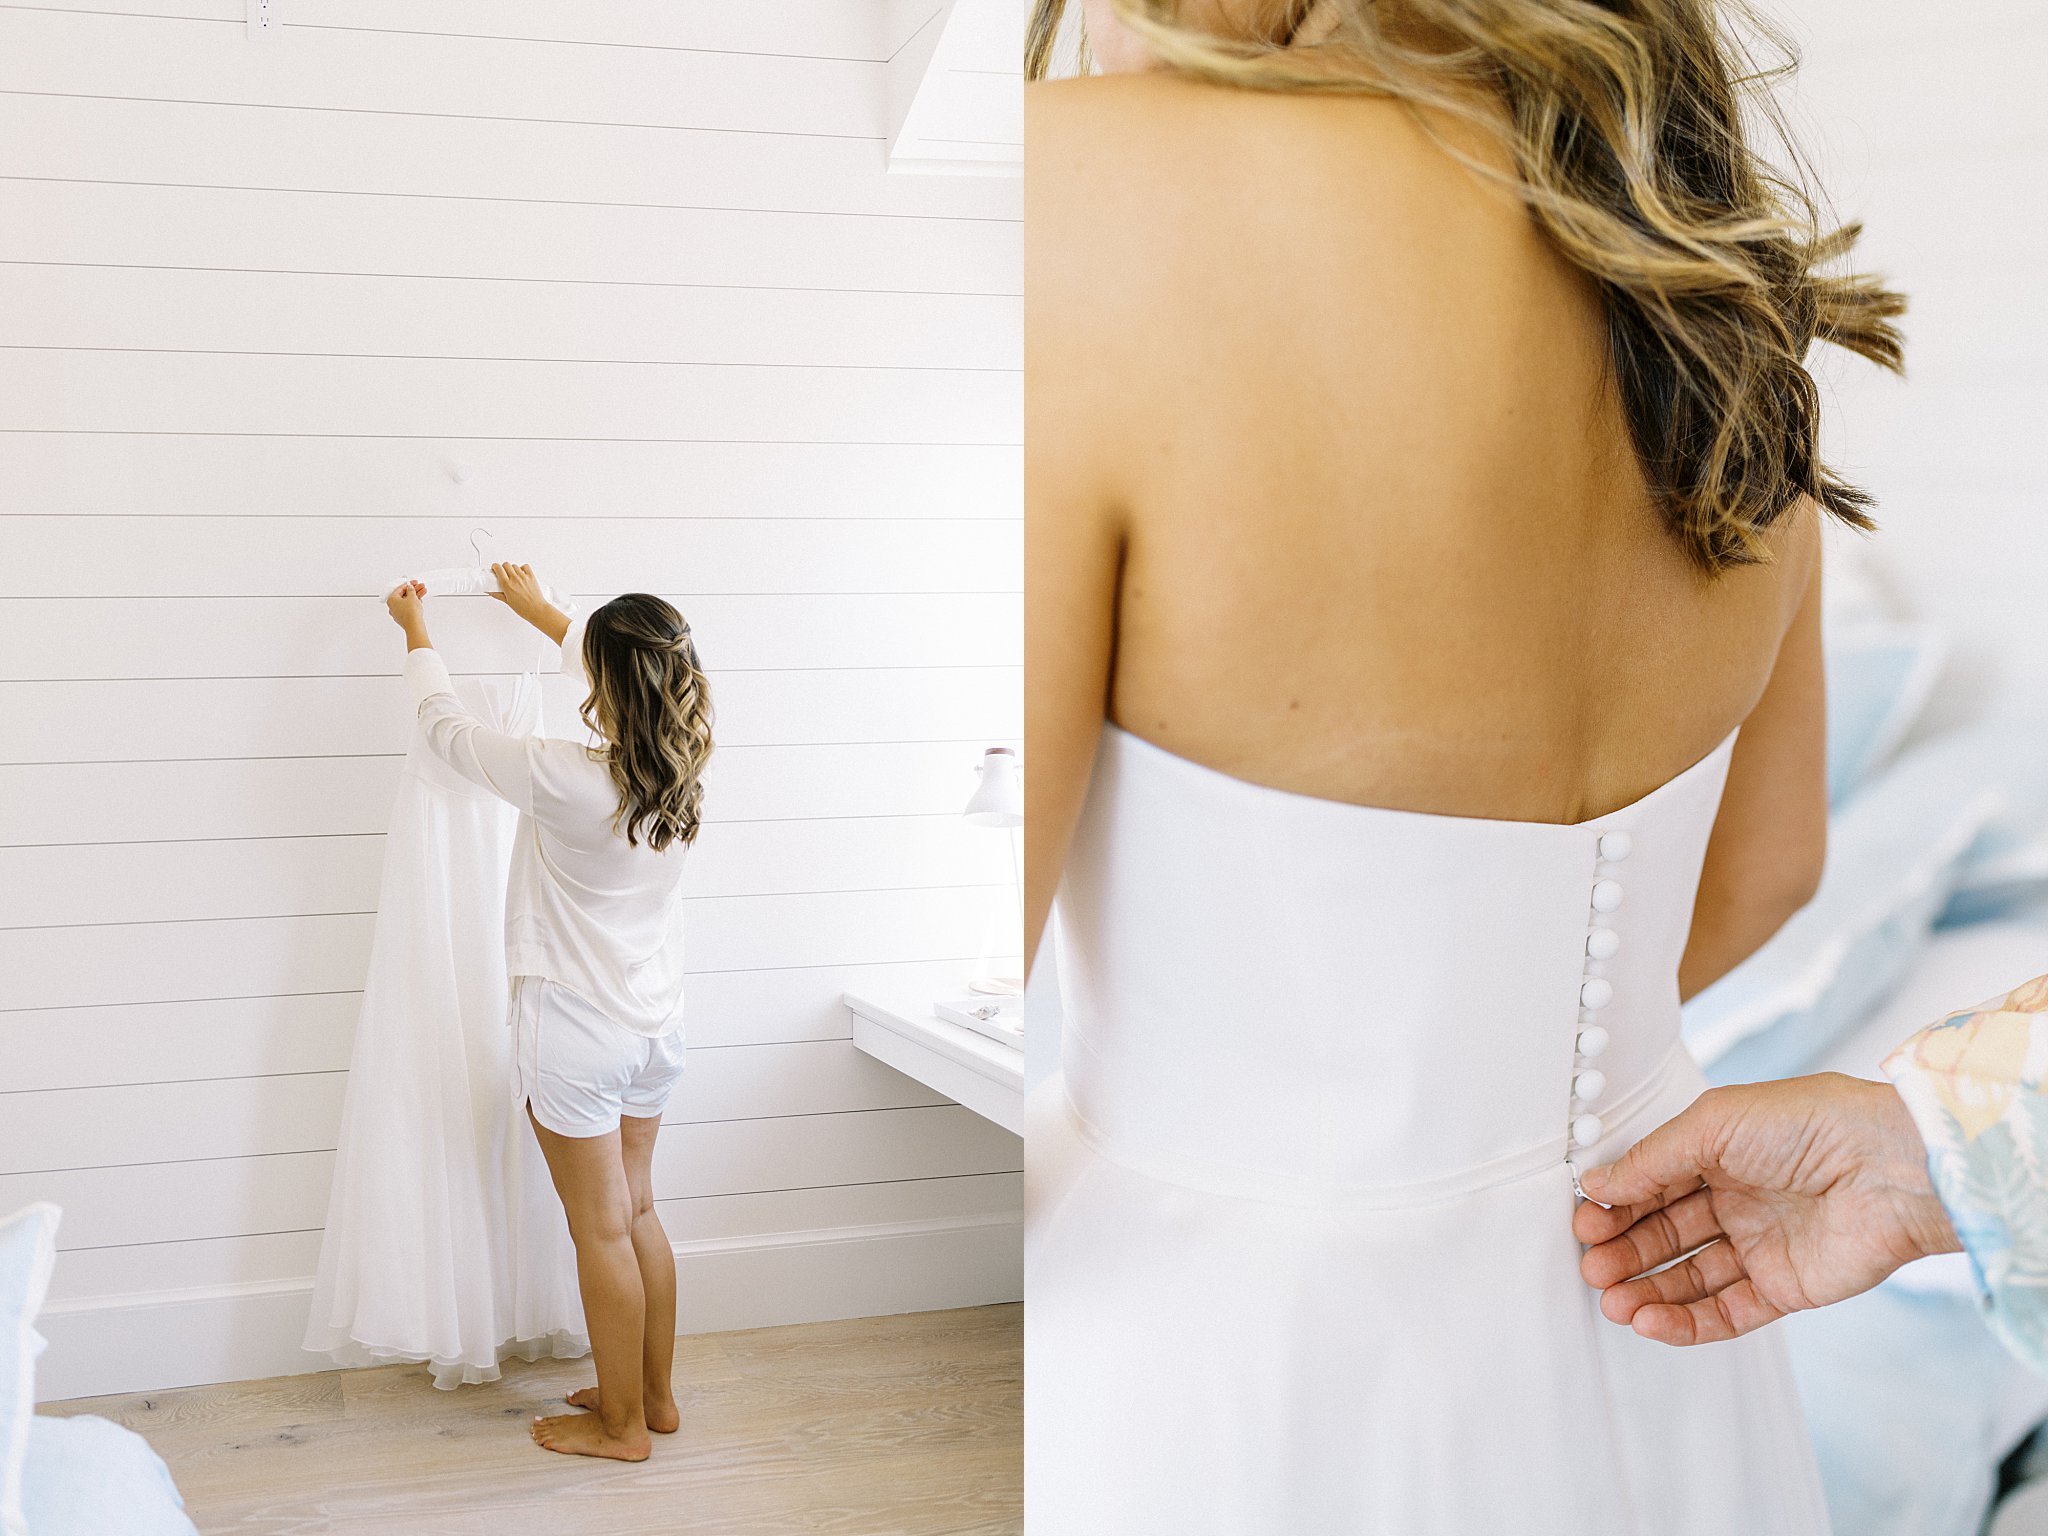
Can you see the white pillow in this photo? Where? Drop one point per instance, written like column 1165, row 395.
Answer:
column 1859, row 588
column 28, row 1249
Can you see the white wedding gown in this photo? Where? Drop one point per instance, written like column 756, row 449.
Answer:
column 445, row 1241
column 1299, row 1258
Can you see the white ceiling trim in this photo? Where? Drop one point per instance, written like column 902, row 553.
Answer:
column 956, row 88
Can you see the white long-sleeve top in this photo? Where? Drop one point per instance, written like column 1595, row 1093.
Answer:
column 584, row 908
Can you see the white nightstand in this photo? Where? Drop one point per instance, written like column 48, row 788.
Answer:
column 981, row 1074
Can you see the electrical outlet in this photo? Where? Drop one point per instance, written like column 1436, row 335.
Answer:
column 264, row 21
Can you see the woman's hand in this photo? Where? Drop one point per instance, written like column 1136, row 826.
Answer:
column 1795, row 1194
column 519, row 589
column 409, row 611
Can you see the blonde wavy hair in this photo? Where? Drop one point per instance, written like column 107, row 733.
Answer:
column 651, row 704
column 1625, row 121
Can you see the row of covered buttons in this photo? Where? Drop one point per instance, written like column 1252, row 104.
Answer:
column 1595, row 993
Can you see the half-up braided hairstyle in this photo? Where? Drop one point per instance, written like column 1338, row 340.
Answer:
column 650, row 703
column 1626, row 122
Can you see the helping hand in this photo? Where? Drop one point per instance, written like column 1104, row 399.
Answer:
column 404, row 603
column 1804, row 1192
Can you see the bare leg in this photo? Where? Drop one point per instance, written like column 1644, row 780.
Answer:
column 590, row 1176
column 657, row 1262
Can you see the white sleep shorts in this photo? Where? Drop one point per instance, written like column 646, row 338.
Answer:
column 580, row 1071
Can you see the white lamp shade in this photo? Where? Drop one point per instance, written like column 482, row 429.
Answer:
column 998, row 800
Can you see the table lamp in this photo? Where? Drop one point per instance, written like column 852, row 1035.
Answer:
column 996, row 1009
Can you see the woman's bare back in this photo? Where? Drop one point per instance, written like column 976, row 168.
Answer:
column 1347, row 418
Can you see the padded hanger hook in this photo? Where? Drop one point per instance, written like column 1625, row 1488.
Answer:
column 473, row 545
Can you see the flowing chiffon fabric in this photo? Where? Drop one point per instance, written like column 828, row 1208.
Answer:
column 445, row 1241
column 1298, row 1219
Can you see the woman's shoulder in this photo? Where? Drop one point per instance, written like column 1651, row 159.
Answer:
column 563, row 747
column 1158, row 189
column 1163, row 103
column 579, row 756
column 1209, row 141
column 570, row 770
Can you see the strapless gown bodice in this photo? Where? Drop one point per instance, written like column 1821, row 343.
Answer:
column 1299, row 1255
column 1269, row 990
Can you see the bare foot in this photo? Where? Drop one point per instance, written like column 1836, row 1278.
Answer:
column 583, row 1434
column 662, row 1417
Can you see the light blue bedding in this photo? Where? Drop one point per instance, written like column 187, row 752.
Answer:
column 88, row 1477
column 1879, row 676
column 28, row 1250
column 1895, row 853
column 1913, row 1404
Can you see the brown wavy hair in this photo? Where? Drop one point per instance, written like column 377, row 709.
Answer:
column 1625, row 120
column 651, row 704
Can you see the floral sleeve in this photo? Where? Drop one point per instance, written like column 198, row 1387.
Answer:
column 1977, row 1086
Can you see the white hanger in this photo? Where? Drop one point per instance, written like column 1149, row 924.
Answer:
column 464, row 580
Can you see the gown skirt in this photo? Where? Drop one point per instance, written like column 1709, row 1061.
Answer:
column 445, row 1241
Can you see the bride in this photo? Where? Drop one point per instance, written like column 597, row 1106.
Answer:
column 1424, row 695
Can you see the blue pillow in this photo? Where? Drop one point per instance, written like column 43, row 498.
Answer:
column 1894, row 855
column 87, row 1477
column 1879, row 676
column 28, row 1248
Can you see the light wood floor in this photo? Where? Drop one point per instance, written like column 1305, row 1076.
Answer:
column 883, row 1426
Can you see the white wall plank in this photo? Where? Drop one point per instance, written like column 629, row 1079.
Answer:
column 147, row 801
column 83, row 53
column 226, row 1261
column 177, row 1338
column 148, row 1123
column 742, row 1007
column 408, row 397
column 74, row 884
column 129, row 963
column 301, row 1112
column 235, row 1196
column 154, row 1042
column 174, row 1202
column 818, row 1077
column 802, row 28
column 158, row 309
column 73, row 967
column 87, row 1273
column 98, row 1045
column 747, row 1155
column 298, row 717
column 509, row 484
column 350, row 636
column 81, row 885
column 355, row 557
column 498, row 244
column 715, row 1217
column 344, row 153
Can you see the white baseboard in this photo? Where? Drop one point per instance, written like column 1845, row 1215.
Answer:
column 153, row 1341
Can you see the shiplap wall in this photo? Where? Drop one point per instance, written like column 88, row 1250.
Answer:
column 1936, row 136
column 629, row 286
